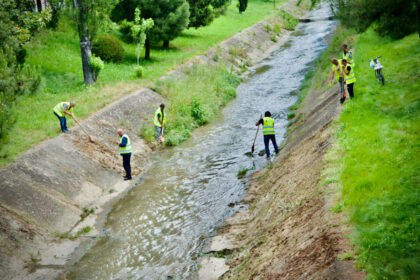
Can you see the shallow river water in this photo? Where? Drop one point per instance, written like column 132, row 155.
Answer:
column 157, row 231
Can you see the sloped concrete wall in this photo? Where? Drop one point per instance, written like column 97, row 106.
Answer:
column 51, row 183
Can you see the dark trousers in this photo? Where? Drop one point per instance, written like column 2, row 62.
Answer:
column 267, row 139
column 126, row 164
column 350, row 89
column 63, row 123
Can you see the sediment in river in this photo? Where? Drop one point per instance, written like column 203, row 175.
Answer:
column 49, row 190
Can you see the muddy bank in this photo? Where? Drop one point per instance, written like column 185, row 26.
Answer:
column 67, row 184
column 289, row 231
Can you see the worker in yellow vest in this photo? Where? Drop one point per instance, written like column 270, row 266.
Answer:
column 61, row 110
column 159, row 122
column 349, row 76
column 337, row 71
column 268, row 133
column 125, row 151
column 348, row 55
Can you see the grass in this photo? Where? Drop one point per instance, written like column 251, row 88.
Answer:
column 193, row 101
column 70, row 236
column 376, row 152
column 57, row 54
column 379, row 140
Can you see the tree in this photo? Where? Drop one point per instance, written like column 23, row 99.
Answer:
column 138, row 31
column 18, row 23
column 170, row 18
column 201, row 13
column 394, row 18
column 242, row 5
column 86, row 14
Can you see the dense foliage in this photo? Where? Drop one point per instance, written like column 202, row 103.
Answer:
column 170, row 17
column 242, row 5
column 18, row 23
column 108, row 48
column 394, row 18
column 201, row 13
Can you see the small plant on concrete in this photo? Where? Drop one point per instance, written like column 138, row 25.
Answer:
column 273, row 38
column 242, row 172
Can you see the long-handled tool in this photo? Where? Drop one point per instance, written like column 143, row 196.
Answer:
column 253, row 144
column 90, row 137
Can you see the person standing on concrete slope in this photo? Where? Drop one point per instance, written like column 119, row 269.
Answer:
column 125, row 151
column 159, row 122
column 61, row 110
column 268, row 133
column 337, row 70
column 350, row 77
column 348, row 55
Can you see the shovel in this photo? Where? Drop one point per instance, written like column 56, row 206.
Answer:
column 253, row 144
column 161, row 137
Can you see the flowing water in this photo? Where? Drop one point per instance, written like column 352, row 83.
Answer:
column 157, row 231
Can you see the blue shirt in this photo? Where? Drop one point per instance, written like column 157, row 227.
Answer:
column 123, row 143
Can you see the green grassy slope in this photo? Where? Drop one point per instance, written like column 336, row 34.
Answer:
column 58, row 56
column 378, row 138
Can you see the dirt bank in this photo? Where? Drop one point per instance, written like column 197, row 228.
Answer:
column 289, row 231
column 66, row 185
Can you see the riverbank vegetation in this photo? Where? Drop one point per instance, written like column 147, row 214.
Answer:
column 378, row 136
column 194, row 100
column 375, row 155
column 56, row 53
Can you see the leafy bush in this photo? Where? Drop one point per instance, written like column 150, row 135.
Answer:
column 197, row 112
column 108, row 48
column 139, row 71
column 289, row 21
column 96, row 65
column 273, row 38
column 395, row 18
column 277, row 28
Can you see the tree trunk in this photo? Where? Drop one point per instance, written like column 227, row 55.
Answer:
column 166, row 44
column 85, row 46
column 85, row 49
column 39, row 6
column 147, row 49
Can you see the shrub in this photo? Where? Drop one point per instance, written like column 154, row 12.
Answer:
column 273, row 38
column 96, row 65
column 197, row 111
column 277, row 28
column 289, row 21
column 139, row 71
column 108, row 48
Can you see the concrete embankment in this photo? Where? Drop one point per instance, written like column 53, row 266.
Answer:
column 66, row 184
column 289, row 231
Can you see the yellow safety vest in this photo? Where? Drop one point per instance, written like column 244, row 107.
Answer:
column 347, row 57
column 127, row 148
column 268, row 126
column 350, row 78
column 337, row 74
column 163, row 118
column 59, row 108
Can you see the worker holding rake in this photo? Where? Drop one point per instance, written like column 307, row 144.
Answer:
column 268, row 133
column 66, row 108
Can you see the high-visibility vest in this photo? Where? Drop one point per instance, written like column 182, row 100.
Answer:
column 59, row 108
column 335, row 67
column 127, row 148
column 268, row 126
column 348, row 56
column 162, row 116
column 350, row 78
